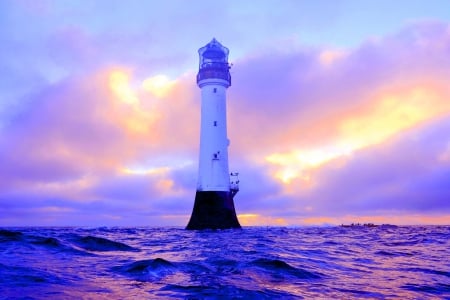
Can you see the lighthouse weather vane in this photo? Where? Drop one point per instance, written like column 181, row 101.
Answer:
column 216, row 186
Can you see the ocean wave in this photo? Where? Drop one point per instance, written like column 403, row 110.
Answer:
column 148, row 265
column 428, row 271
column 393, row 253
column 93, row 243
column 9, row 235
column 280, row 267
column 147, row 270
column 43, row 242
column 26, row 276
column 436, row 289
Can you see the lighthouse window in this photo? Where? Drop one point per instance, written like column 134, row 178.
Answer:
column 215, row 123
column 215, row 90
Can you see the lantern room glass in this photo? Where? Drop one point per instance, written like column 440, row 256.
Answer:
column 214, row 62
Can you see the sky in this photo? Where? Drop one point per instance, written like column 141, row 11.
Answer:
column 339, row 111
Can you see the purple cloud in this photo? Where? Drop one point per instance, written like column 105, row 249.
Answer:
column 81, row 151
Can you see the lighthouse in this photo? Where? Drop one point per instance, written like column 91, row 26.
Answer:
column 216, row 186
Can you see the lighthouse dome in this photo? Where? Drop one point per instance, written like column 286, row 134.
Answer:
column 214, row 50
column 213, row 62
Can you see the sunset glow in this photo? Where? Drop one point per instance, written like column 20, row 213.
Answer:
column 333, row 116
column 297, row 164
column 392, row 114
column 158, row 85
column 119, row 82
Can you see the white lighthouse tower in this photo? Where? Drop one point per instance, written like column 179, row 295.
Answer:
column 214, row 205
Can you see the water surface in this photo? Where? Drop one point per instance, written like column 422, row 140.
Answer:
column 385, row 262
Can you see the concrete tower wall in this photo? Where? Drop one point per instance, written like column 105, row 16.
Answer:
column 213, row 160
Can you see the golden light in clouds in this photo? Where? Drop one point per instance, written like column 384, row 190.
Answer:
column 158, row 85
column 387, row 115
column 119, row 82
column 257, row 220
column 144, row 171
column 391, row 114
column 295, row 164
column 134, row 115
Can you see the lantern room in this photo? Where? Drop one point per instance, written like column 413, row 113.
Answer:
column 214, row 62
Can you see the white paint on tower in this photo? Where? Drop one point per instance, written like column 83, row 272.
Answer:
column 213, row 79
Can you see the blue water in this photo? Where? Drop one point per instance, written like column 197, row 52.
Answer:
column 385, row 262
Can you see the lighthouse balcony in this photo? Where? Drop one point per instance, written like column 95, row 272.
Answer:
column 214, row 73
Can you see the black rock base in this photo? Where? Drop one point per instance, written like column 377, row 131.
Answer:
column 213, row 210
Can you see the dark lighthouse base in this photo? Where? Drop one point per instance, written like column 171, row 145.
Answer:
column 213, row 210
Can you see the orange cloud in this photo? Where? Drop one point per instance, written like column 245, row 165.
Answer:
column 259, row 220
column 119, row 82
column 159, row 85
column 380, row 118
column 391, row 113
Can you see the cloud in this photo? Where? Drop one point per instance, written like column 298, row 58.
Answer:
column 85, row 126
column 315, row 99
column 336, row 134
column 392, row 176
column 317, row 134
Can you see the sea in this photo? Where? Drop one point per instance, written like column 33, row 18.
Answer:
column 357, row 262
